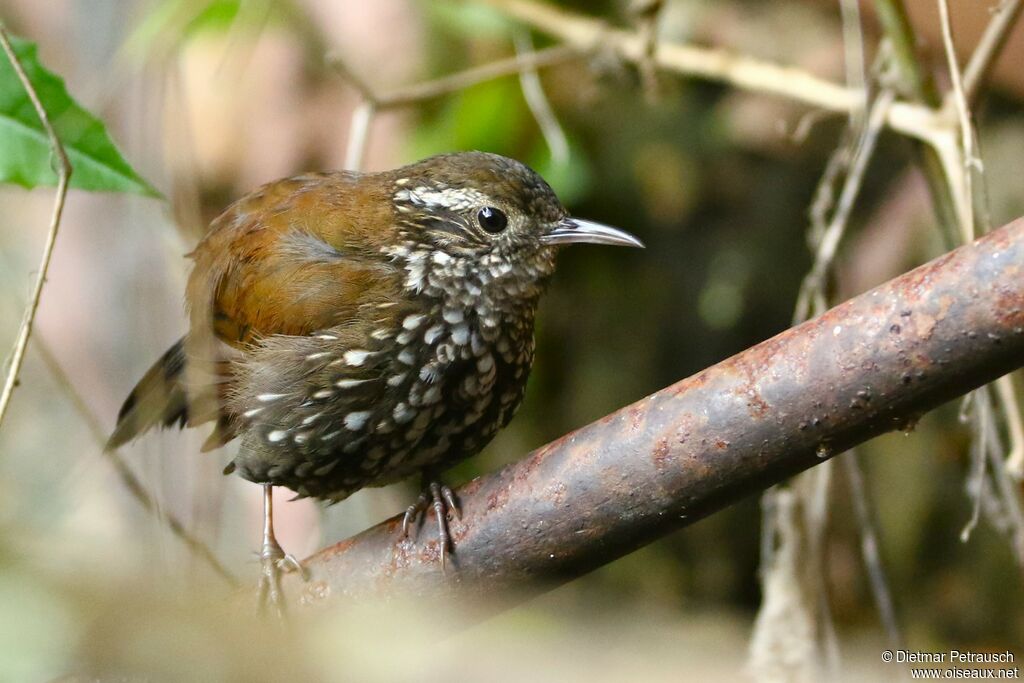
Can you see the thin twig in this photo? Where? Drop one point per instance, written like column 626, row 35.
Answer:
column 1005, row 509
column 990, row 486
column 915, row 81
column 338, row 63
column 979, row 412
column 63, row 176
column 990, row 46
column 963, row 169
column 869, row 548
column 814, row 493
column 374, row 102
column 359, row 135
column 134, row 485
column 968, row 159
column 854, row 63
column 823, row 202
column 741, row 71
column 427, row 90
column 647, row 13
column 537, row 101
column 813, row 285
column 1007, row 394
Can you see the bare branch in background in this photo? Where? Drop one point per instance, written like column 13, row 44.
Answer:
column 924, row 121
column 1007, row 393
column 373, row 102
column 359, row 135
column 915, row 82
column 647, row 13
column 63, row 176
column 1004, row 509
column 961, row 178
column 537, row 101
column 994, row 491
column 990, row 46
column 747, row 73
column 854, row 61
column 812, row 289
column 869, row 548
column 961, row 166
column 428, row 90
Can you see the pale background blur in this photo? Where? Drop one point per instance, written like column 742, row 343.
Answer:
column 709, row 177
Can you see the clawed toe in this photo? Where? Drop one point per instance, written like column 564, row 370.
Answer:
column 289, row 563
column 273, row 563
column 441, row 499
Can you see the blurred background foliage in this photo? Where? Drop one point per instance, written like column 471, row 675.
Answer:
column 209, row 98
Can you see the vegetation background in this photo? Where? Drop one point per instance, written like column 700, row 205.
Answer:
column 209, row 98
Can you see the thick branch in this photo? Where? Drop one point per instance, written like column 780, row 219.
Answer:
column 870, row 365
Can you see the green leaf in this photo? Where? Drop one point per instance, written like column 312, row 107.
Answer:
column 25, row 156
column 490, row 116
column 172, row 24
column 470, row 20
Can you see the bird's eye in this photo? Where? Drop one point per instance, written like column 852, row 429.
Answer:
column 492, row 220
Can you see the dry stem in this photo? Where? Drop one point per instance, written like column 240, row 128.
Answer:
column 63, row 176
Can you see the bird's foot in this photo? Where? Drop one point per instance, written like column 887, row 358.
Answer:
column 442, row 500
column 274, row 562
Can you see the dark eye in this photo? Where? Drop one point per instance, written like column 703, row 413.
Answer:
column 492, row 220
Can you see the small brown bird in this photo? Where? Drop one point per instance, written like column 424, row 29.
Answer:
column 356, row 329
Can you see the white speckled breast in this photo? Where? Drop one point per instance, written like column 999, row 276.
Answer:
column 428, row 384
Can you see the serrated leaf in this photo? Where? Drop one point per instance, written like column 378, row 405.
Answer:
column 25, row 157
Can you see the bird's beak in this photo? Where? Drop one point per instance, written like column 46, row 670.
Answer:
column 574, row 230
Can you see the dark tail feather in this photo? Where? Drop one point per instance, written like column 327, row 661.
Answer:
column 157, row 400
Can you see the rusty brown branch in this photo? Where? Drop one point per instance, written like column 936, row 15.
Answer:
column 870, row 365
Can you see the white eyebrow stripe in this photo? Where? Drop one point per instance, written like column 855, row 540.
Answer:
column 452, row 198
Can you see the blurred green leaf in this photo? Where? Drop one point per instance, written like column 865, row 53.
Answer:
column 25, row 148
column 172, row 23
column 217, row 16
column 475, row 21
column 489, row 117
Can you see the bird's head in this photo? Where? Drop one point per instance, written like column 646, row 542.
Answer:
column 481, row 213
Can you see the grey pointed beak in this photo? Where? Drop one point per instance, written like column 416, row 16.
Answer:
column 576, row 230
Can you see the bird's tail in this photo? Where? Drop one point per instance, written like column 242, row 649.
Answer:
column 159, row 399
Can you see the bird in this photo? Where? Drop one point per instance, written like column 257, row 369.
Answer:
column 355, row 329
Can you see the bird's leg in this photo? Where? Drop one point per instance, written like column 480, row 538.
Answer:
column 439, row 497
column 273, row 561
